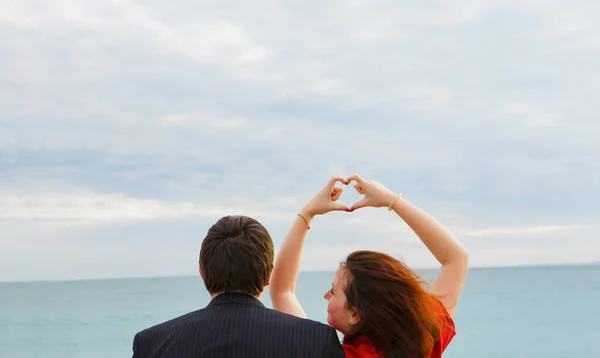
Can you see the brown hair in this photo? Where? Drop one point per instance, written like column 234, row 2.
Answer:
column 236, row 256
column 396, row 312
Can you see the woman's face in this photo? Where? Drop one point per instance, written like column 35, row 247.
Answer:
column 338, row 314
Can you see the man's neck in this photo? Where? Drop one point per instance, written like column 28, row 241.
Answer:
column 213, row 295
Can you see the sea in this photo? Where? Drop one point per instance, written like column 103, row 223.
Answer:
column 545, row 312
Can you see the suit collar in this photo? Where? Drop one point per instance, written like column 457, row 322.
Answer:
column 234, row 297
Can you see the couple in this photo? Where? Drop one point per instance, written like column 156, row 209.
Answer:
column 378, row 304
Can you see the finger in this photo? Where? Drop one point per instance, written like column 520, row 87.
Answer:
column 337, row 189
column 336, row 193
column 340, row 207
column 356, row 178
column 359, row 189
column 335, row 179
column 359, row 204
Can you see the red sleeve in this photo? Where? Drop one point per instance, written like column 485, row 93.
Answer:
column 447, row 333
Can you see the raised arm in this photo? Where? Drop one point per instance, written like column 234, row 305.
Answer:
column 282, row 286
column 449, row 252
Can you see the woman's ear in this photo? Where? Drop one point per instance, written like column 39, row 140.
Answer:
column 354, row 318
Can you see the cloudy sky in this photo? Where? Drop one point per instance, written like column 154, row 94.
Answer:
column 128, row 127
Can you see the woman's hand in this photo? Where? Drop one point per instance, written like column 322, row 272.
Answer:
column 325, row 200
column 376, row 195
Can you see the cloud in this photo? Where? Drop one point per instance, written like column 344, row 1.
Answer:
column 87, row 207
column 187, row 119
column 530, row 115
column 521, row 231
column 121, row 115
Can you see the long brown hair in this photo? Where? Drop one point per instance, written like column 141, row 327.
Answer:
column 396, row 311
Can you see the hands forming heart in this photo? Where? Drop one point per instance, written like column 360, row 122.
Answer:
column 375, row 195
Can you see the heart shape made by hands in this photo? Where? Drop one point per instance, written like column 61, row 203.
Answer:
column 353, row 196
column 359, row 191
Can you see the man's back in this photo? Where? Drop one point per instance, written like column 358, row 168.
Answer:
column 234, row 326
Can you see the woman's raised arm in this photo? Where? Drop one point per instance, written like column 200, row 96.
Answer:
column 449, row 252
column 282, row 286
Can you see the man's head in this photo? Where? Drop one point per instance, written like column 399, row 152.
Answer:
column 236, row 256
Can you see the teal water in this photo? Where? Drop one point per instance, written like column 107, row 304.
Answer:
column 515, row 312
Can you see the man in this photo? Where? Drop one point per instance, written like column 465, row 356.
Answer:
column 236, row 260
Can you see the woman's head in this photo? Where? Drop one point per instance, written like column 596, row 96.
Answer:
column 375, row 295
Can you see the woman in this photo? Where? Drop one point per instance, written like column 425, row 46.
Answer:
column 379, row 304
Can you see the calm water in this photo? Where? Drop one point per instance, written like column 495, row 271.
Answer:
column 522, row 312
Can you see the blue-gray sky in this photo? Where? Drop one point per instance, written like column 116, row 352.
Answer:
column 128, row 127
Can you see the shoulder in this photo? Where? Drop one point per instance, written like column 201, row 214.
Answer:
column 447, row 331
column 155, row 331
column 305, row 328
column 360, row 347
column 314, row 338
column 446, row 321
column 302, row 324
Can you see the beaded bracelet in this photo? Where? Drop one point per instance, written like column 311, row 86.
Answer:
column 393, row 201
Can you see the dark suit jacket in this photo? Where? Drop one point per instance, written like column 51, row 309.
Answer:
column 235, row 325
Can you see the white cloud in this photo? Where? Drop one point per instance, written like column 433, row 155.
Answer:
column 568, row 24
column 182, row 112
column 520, row 231
column 529, row 114
column 425, row 96
column 508, row 257
column 87, row 207
column 204, row 120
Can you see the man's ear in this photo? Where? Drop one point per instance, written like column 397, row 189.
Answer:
column 201, row 274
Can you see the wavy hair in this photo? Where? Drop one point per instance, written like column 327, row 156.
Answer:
column 396, row 311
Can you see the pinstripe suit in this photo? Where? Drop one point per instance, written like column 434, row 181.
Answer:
column 235, row 325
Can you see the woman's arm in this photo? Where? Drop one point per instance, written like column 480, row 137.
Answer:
column 449, row 252
column 282, row 286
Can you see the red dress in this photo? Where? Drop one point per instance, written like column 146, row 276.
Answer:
column 362, row 346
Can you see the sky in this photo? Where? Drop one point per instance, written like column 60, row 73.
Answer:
column 128, row 127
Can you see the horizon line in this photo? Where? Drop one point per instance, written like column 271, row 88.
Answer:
column 525, row 266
